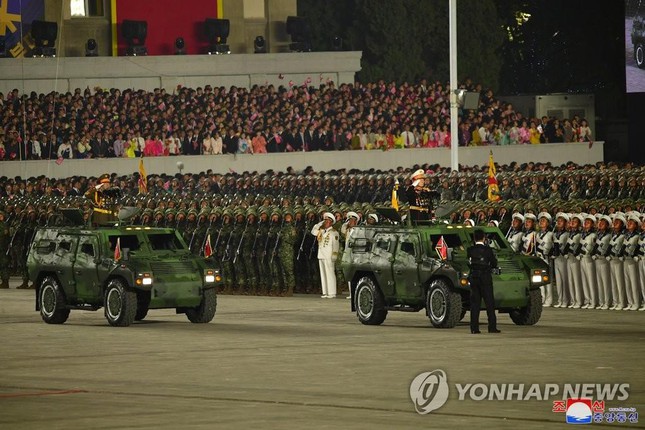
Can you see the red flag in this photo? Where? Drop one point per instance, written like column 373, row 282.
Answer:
column 117, row 249
column 442, row 249
column 208, row 250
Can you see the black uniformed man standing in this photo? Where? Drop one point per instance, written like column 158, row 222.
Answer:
column 481, row 260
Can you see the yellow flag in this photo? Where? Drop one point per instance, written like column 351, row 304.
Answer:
column 143, row 178
column 493, row 188
column 395, row 200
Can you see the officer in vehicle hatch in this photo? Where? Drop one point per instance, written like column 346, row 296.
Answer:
column 481, row 260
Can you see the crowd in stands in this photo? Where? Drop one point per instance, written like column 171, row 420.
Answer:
column 103, row 123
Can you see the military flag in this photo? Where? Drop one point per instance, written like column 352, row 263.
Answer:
column 208, row 249
column 442, row 248
column 117, row 249
column 143, row 178
column 493, row 188
column 395, row 200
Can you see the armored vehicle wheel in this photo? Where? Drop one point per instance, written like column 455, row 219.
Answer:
column 639, row 55
column 143, row 301
column 120, row 304
column 52, row 302
column 370, row 305
column 205, row 312
column 530, row 314
column 443, row 305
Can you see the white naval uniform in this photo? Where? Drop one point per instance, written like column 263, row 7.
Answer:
column 560, row 239
column 573, row 270
column 616, row 269
column 514, row 238
column 603, row 274
column 588, row 270
column 641, row 268
column 543, row 247
column 632, row 281
column 328, row 245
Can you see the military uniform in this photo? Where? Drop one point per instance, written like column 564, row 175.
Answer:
column 616, row 258
column 641, row 261
column 543, row 248
column 574, row 280
column 601, row 253
column 529, row 236
column 272, row 258
column 286, row 252
column 516, row 234
column 587, row 264
column 632, row 288
column 328, row 242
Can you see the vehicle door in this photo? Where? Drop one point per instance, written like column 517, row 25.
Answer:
column 65, row 256
column 86, row 268
column 406, row 267
column 382, row 260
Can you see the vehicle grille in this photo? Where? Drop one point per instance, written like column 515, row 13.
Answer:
column 171, row 268
column 510, row 266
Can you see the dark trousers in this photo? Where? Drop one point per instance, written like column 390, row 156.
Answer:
column 481, row 287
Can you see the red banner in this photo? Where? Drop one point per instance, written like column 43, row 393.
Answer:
column 167, row 20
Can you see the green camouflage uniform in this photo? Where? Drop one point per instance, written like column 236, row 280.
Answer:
column 286, row 253
column 4, row 247
column 235, row 250
column 248, row 254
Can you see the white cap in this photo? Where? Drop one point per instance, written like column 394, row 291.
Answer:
column 545, row 215
column 518, row 216
column 591, row 217
column 529, row 216
column 581, row 217
column 469, row 221
column 493, row 222
column 418, row 173
column 620, row 216
column 563, row 215
column 374, row 217
column 329, row 216
column 352, row 214
column 635, row 218
column 605, row 217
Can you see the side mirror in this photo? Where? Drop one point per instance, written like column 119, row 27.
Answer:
column 451, row 254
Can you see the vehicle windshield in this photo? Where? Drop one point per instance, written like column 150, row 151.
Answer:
column 126, row 241
column 165, row 242
column 495, row 240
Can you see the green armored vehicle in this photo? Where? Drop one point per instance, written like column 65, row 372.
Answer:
column 400, row 267
column 125, row 269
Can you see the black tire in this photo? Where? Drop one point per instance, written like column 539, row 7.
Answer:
column 205, row 312
column 639, row 55
column 530, row 314
column 143, row 302
column 369, row 301
column 52, row 301
column 120, row 304
column 443, row 305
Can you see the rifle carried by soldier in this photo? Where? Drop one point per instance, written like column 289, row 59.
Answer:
column 255, row 240
column 227, row 254
column 15, row 233
column 239, row 245
column 277, row 241
column 266, row 244
column 192, row 237
column 305, row 231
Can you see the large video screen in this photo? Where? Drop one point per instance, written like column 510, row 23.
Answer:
column 635, row 46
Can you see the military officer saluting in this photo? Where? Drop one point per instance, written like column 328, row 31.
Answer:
column 420, row 197
column 560, row 240
column 515, row 234
column 630, row 264
column 543, row 248
column 600, row 255
column 587, row 265
column 328, row 245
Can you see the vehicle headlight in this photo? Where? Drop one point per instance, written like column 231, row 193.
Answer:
column 536, row 279
column 211, row 276
column 144, row 279
column 539, row 276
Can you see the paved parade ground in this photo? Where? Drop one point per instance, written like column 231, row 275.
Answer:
column 302, row 362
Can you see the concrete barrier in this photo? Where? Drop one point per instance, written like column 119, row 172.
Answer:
column 321, row 161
